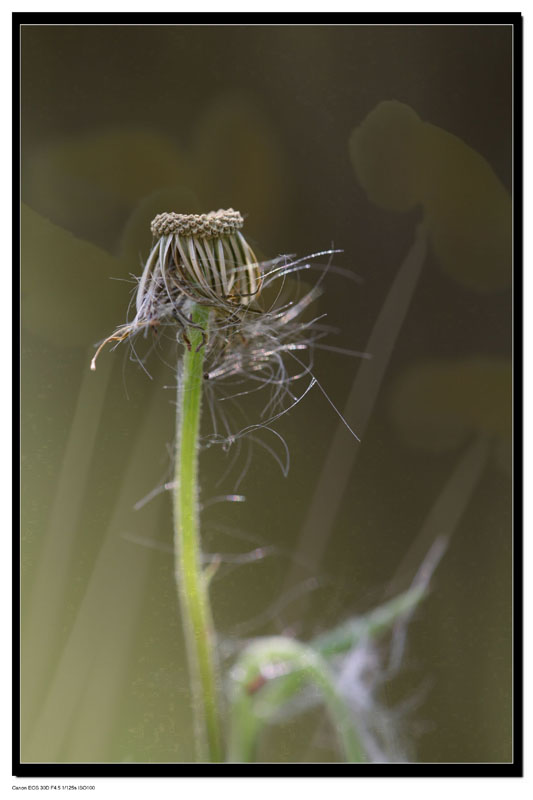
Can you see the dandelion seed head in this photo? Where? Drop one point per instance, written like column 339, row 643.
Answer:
column 258, row 338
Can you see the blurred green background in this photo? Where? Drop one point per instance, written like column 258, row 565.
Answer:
column 122, row 122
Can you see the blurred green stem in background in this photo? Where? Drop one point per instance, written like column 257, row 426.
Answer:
column 270, row 673
column 191, row 581
column 301, row 665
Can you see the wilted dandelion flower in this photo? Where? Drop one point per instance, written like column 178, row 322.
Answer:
column 204, row 260
column 197, row 258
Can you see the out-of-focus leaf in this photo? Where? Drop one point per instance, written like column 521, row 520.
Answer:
column 68, row 298
column 128, row 163
column 385, row 153
column 402, row 162
column 468, row 212
column 93, row 182
column 90, row 183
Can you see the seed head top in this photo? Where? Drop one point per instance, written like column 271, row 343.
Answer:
column 213, row 225
column 198, row 259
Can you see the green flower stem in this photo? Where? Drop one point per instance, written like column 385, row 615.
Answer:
column 191, row 580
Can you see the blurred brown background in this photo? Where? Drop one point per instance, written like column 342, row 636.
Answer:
column 122, row 122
